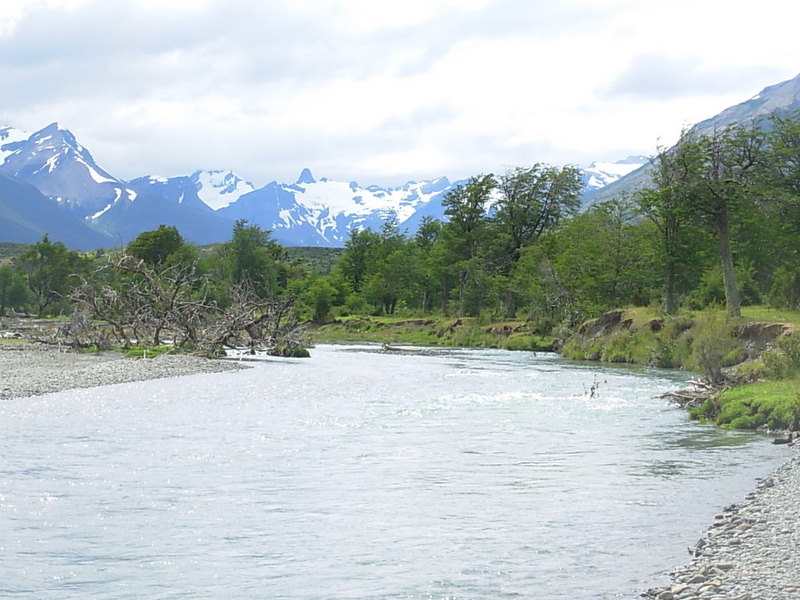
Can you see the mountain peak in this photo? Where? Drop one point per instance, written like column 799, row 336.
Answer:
column 306, row 177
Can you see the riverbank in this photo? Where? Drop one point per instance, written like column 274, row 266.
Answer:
column 31, row 369
column 750, row 551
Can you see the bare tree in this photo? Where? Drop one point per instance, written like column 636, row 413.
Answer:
column 152, row 303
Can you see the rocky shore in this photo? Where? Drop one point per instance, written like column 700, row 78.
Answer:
column 31, row 369
column 751, row 550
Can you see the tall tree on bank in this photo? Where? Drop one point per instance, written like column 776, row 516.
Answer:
column 464, row 233
column 668, row 205
column 728, row 184
column 784, row 138
column 253, row 258
column 532, row 201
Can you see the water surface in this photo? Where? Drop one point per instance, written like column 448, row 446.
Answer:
column 442, row 474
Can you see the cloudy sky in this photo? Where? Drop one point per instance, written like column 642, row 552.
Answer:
column 381, row 91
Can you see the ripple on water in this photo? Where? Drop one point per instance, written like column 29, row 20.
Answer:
column 450, row 474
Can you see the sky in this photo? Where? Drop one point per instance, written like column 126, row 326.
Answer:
column 382, row 91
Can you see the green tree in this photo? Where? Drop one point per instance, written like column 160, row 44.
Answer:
column 668, row 206
column 532, row 201
column 463, row 236
column 727, row 185
column 784, row 209
column 355, row 261
column 156, row 246
column 252, row 257
column 49, row 269
column 13, row 292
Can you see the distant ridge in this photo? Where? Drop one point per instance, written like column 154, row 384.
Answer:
column 781, row 98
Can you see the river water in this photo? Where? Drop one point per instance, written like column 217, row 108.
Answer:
column 357, row 474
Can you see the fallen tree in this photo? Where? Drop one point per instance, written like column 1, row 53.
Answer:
column 146, row 305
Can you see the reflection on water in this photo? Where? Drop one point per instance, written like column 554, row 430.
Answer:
column 364, row 474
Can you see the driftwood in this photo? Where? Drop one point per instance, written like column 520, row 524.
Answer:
column 687, row 398
column 150, row 304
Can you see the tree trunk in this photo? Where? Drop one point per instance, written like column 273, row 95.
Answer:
column 670, row 303
column 462, row 293
column 510, row 304
column 732, row 300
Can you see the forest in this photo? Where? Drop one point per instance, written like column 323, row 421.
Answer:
column 718, row 226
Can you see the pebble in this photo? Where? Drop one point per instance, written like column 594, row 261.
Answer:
column 38, row 369
column 751, row 549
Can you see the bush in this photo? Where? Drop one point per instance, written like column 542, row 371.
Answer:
column 714, row 347
column 784, row 361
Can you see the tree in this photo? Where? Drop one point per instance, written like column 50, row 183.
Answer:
column 463, row 235
column 49, row 269
column 784, row 175
column 535, row 200
column 156, row 246
column 253, row 257
column 532, row 201
column 355, row 261
column 13, row 292
column 728, row 183
column 668, row 206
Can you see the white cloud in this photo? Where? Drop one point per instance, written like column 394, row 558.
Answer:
column 373, row 91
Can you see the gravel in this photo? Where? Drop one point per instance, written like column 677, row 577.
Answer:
column 30, row 370
column 750, row 551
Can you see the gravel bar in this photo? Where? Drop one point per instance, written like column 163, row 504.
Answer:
column 751, row 552
column 30, row 370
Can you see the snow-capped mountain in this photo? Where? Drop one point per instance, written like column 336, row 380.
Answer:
column 59, row 167
column 218, row 189
column 322, row 213
column 157, row 200
column 600, row 174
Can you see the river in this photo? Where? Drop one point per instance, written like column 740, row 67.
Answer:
column 358, row 474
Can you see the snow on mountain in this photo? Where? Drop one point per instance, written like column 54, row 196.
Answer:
column 218, row 189
column 323, row 212
column 600, row 174
column 9, row 135
column 59, row 167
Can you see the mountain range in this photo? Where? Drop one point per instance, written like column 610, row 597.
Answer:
column 50, row 183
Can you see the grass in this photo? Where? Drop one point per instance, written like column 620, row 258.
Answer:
column 771, row 315
column 432, row 331
column 151, row 352
column 763, row 404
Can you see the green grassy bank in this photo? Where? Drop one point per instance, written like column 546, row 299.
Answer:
column 433, row 331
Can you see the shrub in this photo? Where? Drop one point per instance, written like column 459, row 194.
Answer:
column 714, row 347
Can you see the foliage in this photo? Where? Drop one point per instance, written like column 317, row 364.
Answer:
column 13, row 289
column 51, row 270
column 11, row 249
column 155, row 247
column 784, row 361
column 764, row 404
